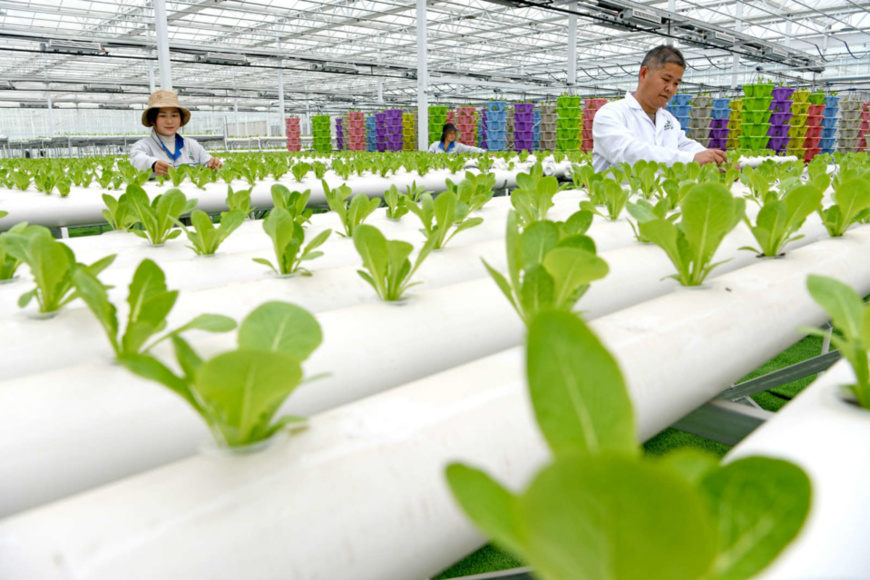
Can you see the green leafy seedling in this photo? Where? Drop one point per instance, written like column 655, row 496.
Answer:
column 239, row 200
column 9, row 264
column 852, row 205
column 300, row 170
column 294, row 202
column 158, row 216
column 150, row 303
column 52, row 264
column 443, row 217
column 205, row 237
column 534, row 196
column 388, row 268
column 239, row 393
column 709, row 212
column 779, row 220
column 474, row 191
column 288, row 239
column 397, row 203
column 615, row 198
column 119, row 213
column 352, row 215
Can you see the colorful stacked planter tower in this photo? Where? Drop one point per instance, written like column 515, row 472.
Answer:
column 466, row 122
column 700, row 116
column 509, row 129
column 850, row 126
column 294, row 134
column 719, row 124
column 409, row 131
column 339, row 133
column 864, row 129
column 393, row 126
column 381, row 131
column 437, row 120
column 756, row 116
column 568, row 115
column 322, row 133
column 524, row 127
column 780, row 119
column 549, row 127
column 680, row 107
column 592, row 106
column 798, row 131
column 481, row 129
column 814, row 125
column 735, row 123
column 371, row 133
column 356, row 131
column 830, row 121
column 536, row 131
column 496, row 125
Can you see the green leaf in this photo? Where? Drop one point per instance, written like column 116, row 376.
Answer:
column 208, row 323
column 537, row 292
column 281, row 327
column 692, row 464
column 613, row 517
column 372, row 247
column 841, row 302
column 93, row 293
column 708, row 214
column 536, row 241
column 148, row 367
column 578, row 394
column 755, row 519
column 572, row 268
column 187, row 358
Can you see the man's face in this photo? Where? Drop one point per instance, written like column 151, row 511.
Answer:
column 658, row 86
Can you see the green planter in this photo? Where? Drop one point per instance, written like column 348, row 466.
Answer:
column 757, row 103
column 758, row 90
column 756, row 116
column 568, row 113
column 568, row 102
column 817, row 99
column 800, row 97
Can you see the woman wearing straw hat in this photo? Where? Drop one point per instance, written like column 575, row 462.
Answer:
column 165, row 148
column 449, row 144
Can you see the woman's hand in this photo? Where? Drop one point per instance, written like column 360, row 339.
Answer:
column 214, row 164
column 161, row 168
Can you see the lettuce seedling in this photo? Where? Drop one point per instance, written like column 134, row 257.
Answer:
column 415, row 192
column 319, row 169
column 300, row 170
column 8, row 263
column 150, row 304
column 294, row 202
column 131, row 175
column 52, row 264
column 614, row 199
column 158, row 216
column 288, row 237
column 600, row 508
column 709, row 212
column 534, row 196
column 644, row 211
column 584, row 177
column 397, row 203
column 779, row 220
column 341, row 169
column 484, row 163
column 387, row 263
column 239, row 393
column 177, row 174
column 352, row 214
column 206, row 238
column 239, row 200
column 119, row 213
column 21, row 179
column 456, row 163
column 550, row 265
column 442, row 218
column 475, row 191
column 853, row 206
column 851, row 318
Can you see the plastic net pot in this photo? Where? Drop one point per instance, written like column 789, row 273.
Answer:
column 718, row 143
column 719, row 123
column 829, row 133
column 813, row 120
column 684, row 121
column 849, row 133
column 567, row 143
column 850, row 105
column 702, row 100
column 832, row 100
column 587, row 144
column 681, row 99
column 854, row 115
column 586, row 133
column 755, row 117
column 817, row 99
column 595, row 103
column 496, row 106
column 800, row 96
column 827, row 143
column 809, row 154
column 568, row 101
column 705, row 141
column 815, row 109
column 679, row 110
column 813, row 132
column 778, row 143
column 832, row 112
column 800, row 108
column 699, row 112
column 850, row 143
column 697, row 133
column 568, row 113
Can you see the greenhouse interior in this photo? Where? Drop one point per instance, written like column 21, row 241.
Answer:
column 384, row 290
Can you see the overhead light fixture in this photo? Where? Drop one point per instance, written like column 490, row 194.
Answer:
column 6, row 85
column 717, row 38
column 267, row 95
column 197, row 93
column 335, row 67
column 103, row 89
column 641, row 18
column 775, row 53
column 114, row 107
column 222, row 58
column 73, row 47
column 33, row 105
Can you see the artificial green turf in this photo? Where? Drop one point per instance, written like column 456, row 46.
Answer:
column 491, row 559
column 86, row 231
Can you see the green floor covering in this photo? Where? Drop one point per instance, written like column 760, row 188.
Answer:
column 489, row 558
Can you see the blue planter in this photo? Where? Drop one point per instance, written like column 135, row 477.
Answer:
column 496, row 107
column 684, row 121
column 681, row 100
column 829, row 122
column 721, row 103
column 831, row 101
column 721, row 113
column 829, row 133
column 827, row 143
column 830, row 111
column 679, row 110
column 495, row 135
column 496, row 117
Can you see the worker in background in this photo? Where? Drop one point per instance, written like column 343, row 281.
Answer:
column 449, row 144
column 165, row 148
column 638, row 127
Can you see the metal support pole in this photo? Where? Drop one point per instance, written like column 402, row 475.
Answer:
column 672, row 8
column 282, row 128
column 735, row 64
column 162, row 30
column 422, row 80
column 50, row 114
column 572, row 47
column 151, row 77
column 380, row 90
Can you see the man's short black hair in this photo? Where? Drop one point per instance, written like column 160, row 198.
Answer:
column 662, row 55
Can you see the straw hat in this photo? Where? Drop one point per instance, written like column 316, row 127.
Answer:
column 160, row 99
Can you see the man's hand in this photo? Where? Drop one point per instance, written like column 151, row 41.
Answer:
column 710, row 156
column 214, row 164
column 161, row 168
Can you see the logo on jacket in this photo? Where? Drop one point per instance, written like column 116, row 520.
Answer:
column 668, row 125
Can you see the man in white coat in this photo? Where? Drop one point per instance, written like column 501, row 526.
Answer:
column 638, row 127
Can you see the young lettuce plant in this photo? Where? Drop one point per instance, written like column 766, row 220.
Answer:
column 585, row 177
column 8, row 263
column 353, row 214
column 300, row 170
column 119, row 213
column 294, row 202
column 288, row 237
column 550, row 265
column 851, row 318
column 534, row 196
column 853, row 206
column 52, row 264
column 131, row 175
column 442, row 216
column 615, row 198
column 239, row 393
column 709, row 212
column 387, row 263
column 150, row 304
column 239, row 200
column 158, row 216
column 397, row 203
column 475, row 191
column 206, row 238
column 600, row 508
column 779, row 220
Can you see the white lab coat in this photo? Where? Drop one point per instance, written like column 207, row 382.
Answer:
column 455, row 147
column 622, row 131
column 146, row 151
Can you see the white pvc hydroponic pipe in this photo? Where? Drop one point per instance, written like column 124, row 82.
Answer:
column 830, row 439
column 361, row 494
column 438, row 329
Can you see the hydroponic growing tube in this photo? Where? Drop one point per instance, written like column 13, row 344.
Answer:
column 454, row 325
column 362, row 495
column 830, row 439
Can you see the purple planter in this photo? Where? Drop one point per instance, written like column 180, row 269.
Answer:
column 778, row 143
column 778, row 131
column 524, row 117
column 717, row 144
column 782, row 93
column 524, row 108
column 719, row 133
column 780, row 106
column 719, row 124
column 780, row 118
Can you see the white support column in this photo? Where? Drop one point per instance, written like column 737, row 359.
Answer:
column 283, row 125
column 50, row 114
column 162, row 31
column 572, row 48
column 422, row 79
column 151, row 76
column 738, row 26
column 672, row 9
